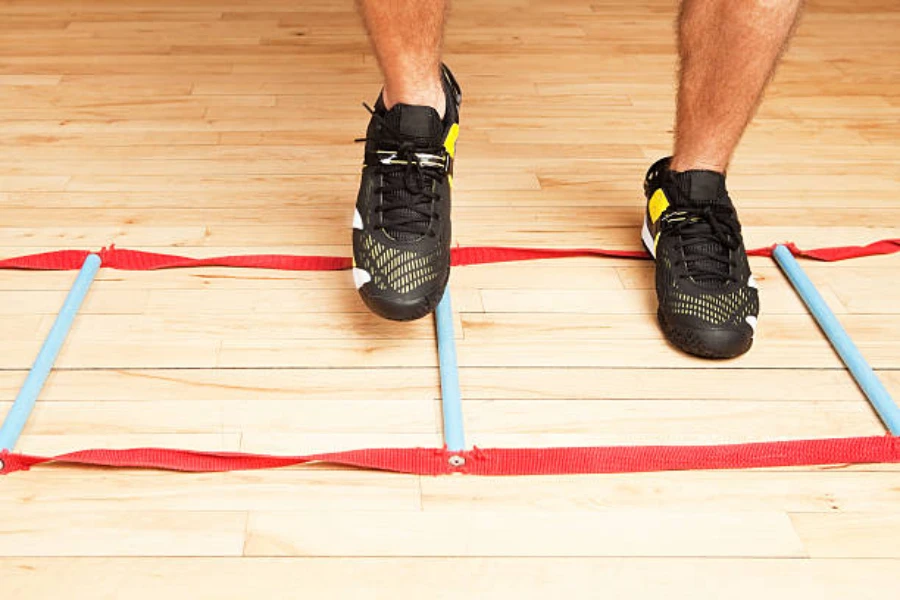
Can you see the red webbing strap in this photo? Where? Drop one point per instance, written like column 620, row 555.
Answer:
column 401, row 460
column 637, row 459
column 60, row 260
column 501, row 461
column 836, row 253
column 480, row 255
column 135, row 260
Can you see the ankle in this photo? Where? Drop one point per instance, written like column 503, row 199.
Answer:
column 681, row 164
column 432, row 96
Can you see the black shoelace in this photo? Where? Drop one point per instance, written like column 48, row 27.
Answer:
column 707, row 236
column 407, row 189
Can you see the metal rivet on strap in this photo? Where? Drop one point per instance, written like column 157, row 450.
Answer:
column 457, row 461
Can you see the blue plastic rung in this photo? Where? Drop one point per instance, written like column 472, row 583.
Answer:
column 40, row 370
column 451, row 397
column 874, row 390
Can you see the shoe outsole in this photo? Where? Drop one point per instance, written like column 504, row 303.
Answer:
column 705, row 343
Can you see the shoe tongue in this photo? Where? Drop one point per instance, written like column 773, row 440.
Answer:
column 423, row 125
column 700, row 188
column 419, row 123
column 697, row 189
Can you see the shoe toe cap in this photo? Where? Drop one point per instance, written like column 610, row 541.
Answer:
column 408, row 307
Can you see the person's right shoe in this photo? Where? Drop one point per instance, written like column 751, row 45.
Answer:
column 401, row 227
column 708, row 299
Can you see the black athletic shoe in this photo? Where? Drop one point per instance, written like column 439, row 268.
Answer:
column 401, row 228
column 708, row 300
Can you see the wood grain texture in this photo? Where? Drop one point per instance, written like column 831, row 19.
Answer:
column 209, row 128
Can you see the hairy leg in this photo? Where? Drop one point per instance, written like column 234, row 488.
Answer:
column 728, row 50
column 407, row 36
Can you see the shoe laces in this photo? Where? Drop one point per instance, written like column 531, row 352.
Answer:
column 410, row 169
column 707, row 237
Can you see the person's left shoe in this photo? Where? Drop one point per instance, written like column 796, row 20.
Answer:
column 708, row 299
column 401, row 227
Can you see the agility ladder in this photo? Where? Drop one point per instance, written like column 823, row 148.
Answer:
column 455, row 457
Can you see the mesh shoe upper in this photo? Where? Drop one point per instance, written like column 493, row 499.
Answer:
column 708, row 301
column 401, row 237
column 400, row 271
column 698, row 306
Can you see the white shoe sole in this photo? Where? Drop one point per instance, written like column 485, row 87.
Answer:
column 649, row 244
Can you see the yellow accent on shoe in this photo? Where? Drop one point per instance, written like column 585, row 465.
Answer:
column 657, row 205
column 450, row 140
column 656, row 241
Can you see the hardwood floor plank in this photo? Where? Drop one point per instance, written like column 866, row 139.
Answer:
column 794, row 491
column 81, row 490
column 864, row 534
column 447, row 578
column 27, row 532
column 478, row 383
column 506, row 533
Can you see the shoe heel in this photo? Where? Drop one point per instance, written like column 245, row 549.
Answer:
column 451, row 83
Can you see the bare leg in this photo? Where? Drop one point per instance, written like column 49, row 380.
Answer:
column 729, row 50
column 407, row 36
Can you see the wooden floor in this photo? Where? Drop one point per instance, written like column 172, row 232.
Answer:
column 208, row 127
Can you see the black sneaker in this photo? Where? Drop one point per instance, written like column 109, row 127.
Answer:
column 708, row 300
column 401, row 228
